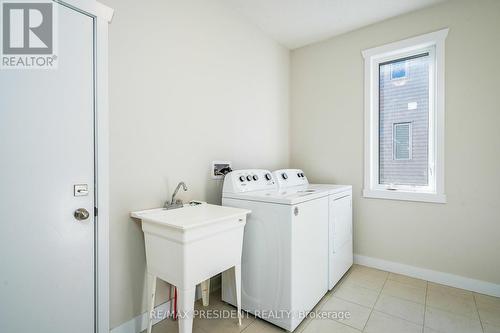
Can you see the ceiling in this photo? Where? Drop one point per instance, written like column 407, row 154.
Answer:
column 295, row 23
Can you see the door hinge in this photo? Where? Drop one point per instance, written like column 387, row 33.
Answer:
column 95, row 211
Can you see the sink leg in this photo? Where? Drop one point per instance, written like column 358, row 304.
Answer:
column 151, row 299
column 186, row 308
column 237, row 279
column 205, row 292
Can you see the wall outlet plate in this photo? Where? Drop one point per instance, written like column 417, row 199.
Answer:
column 216, row 167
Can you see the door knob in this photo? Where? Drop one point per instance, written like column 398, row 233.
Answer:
column 81, row 214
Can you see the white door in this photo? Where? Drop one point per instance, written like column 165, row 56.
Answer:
column 46, row 147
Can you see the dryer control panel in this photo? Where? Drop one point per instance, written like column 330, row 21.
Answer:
column 238, row 181
column 290, row 177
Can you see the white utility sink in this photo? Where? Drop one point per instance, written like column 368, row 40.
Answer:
column 186, row 246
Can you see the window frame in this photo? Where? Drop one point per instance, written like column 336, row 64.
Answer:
column 434, row 43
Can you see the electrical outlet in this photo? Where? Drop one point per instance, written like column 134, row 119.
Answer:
column 216, row 167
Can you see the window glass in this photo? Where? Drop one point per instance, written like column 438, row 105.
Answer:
column 404, row 121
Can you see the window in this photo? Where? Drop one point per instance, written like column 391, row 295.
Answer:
column 404, row 119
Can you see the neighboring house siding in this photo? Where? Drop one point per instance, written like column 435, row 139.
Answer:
column 395, row 96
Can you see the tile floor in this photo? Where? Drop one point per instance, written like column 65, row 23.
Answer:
column 379, row 302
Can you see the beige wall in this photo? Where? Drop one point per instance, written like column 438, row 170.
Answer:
column 190, row 83
column 460, row 237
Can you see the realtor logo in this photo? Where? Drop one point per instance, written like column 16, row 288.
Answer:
column 28, row 35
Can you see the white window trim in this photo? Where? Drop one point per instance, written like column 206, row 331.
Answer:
column 435, row 43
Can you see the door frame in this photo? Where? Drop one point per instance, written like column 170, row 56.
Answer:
column 102, row 16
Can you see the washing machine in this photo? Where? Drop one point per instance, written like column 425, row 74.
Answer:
column 340, row 244
column 284, row 274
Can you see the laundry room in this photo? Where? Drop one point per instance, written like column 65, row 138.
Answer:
column 265, row 166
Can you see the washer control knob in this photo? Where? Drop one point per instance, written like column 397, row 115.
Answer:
column 284, row 175
column 249, row 178
column 268, row 176
column 242, row 178
column 255, row 177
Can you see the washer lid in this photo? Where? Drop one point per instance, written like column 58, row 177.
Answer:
column 290, row 196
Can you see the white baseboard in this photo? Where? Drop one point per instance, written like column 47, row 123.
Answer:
column 139, row 323
column 483, row 287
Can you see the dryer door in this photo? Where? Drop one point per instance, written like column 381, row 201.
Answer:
column 342, row 221
column 340, row 238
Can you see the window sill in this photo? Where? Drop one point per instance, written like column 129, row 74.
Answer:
column 405, row 196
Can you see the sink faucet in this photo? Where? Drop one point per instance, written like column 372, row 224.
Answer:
column 175, row 203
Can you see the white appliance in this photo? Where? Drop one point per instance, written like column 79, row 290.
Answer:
column 285, row 234
column 340, row 253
